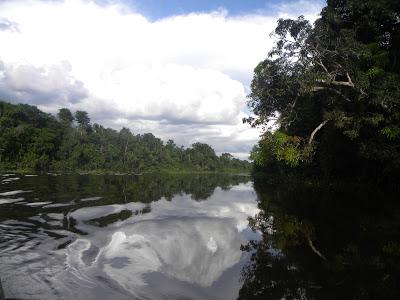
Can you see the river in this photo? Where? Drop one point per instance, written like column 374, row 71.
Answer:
column 193, row 236
column 123, row 237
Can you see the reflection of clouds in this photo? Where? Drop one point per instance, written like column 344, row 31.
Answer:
column 239, row 205
column 192, row 250
column 186, row 240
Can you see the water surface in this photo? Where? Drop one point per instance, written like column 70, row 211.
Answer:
column 197, row 237
column 124, row 237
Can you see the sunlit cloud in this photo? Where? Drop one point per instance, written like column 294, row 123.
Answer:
column 183, row 77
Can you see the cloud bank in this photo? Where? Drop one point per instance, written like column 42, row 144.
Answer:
column 183, row 77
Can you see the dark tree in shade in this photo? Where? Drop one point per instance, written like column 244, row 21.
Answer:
column 65, row 116
column 83, row 120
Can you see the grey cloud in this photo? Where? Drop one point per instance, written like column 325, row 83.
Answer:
column 236, row 147
column 103, row 113
column 187, row 134
column 8, row 25
column 40, row 85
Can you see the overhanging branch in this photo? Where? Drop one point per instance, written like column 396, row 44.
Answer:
column 315, row 250
column 316, row 130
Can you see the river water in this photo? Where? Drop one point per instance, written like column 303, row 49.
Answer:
column 186, row 236
column 124, row 237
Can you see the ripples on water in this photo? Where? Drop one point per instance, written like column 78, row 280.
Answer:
column 124, row 237
column 188, row 237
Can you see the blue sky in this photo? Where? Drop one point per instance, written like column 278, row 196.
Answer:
column 157, row 9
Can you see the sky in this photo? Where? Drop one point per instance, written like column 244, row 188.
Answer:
column 180, row 69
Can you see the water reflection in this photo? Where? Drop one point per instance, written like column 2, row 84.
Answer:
column 324, row 242
column 105, row 237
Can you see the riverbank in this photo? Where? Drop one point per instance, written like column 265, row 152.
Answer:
column 113, row 172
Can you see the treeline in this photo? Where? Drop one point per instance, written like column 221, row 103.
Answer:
column 333, row 90
column 33, row 140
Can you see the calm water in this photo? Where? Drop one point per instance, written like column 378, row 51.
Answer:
column 196, row 237
column 124, row 237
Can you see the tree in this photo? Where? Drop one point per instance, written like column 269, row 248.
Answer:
column 65, row 116
column 83, row 120
column 335, row 81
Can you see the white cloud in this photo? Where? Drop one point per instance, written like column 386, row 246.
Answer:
column 183, row 77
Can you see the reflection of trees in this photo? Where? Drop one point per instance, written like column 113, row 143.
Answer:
column 357, row 229
column 70, row 193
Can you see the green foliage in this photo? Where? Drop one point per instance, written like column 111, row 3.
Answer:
column 335, row 84
column 33, row 140
column 277, row 147
column 392, row 133
column 82, row 117
column 65, row 116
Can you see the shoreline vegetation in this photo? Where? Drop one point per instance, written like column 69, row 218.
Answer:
column 34, row 141
column 333, row 91
column 27, row 172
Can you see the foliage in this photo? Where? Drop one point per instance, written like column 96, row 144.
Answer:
column 65, row 116
column 33, row 140
column 280, row 147
column 336, row 87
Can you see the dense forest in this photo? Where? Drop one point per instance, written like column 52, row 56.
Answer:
column 33, row 140
column 333, row 91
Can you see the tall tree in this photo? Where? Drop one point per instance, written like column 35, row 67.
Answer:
column 83, row 120
column 65, row 116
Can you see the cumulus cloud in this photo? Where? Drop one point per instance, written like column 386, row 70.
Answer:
column 8, row 25
column 42, row 86
column 184, row 77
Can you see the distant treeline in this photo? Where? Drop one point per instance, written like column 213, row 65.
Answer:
column 33, row 140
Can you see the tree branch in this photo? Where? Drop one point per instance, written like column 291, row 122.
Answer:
column 322, row 65
column 316, row 130
column 335, row 82
column 320, row 88
column 315, row 249
column 345, row 83
column 340, row 94
column 349, row 79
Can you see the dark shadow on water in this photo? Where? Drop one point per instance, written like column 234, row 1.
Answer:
column 324, row 242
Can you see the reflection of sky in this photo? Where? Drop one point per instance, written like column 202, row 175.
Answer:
column 182, row 240
column 193, row 250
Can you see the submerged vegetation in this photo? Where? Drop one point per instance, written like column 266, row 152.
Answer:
column 33, row 140
column 333, row 91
